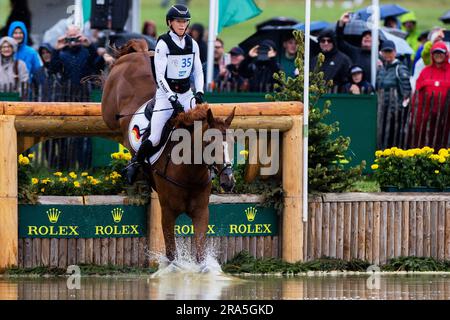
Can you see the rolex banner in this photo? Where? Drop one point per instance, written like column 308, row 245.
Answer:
column 106, row 221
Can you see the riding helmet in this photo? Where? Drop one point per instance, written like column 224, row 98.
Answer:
column 178, row 11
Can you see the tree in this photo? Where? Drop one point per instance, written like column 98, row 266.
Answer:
column 327, row 155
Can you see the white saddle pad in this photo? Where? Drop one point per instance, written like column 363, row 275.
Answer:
column 138, row 124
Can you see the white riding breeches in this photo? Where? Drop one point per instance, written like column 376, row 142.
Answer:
column 159, row 118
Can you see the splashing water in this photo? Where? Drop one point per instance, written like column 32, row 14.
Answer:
column 184, row 278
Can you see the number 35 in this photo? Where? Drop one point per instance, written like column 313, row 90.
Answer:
column 186, row 62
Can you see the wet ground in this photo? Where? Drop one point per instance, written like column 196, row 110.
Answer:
column 189, row 285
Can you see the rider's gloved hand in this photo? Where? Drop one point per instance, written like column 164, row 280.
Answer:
column 176, row 105
column 199, row 98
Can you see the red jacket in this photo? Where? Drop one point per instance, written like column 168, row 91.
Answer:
column 433, row 80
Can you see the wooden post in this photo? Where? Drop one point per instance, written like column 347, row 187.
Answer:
column 9, row 228
column 292, row 224
column 155, row 234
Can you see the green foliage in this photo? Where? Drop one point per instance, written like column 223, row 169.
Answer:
column 416, row 264
column 327, row 155
column 86, row 270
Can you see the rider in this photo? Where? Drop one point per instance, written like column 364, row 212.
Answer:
column 177, row 56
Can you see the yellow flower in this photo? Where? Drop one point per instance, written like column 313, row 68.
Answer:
column 443, row 153
column 43, row 190
column 436, row 171
column 374, row 167
column 63, row 180
column 95, row 182
column 115, row 175
column 127, row 156
column 378, row 153
column 23, row 161
column 90, row 178
column 58, row 174
column 73, row 175
column 46, row 181
column 34, row 181
column 434, row 157
column 387, row 152
column 76, row 184
column 84, row 174
column 441, row 159
column 31, row 155
column 343, row 161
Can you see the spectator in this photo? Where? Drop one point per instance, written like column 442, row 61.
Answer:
column 357, row 84
column 232, row 80
column 358, row 55
column 287, row 57
column 27, row 54
column 409, row 24
column 423, row 38
column 45, row 79
column 436, row 35
column 434, row 81
column 391, row 22
column 197, row 31
column 219, row 69
column 336, row 64
column 19, row 12
column 392, row 77
column 259, row 66
column 13, row 72
column 75, row 57
column 149, row 29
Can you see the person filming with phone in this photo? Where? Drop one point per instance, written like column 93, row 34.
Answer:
column 260, row 65
column 75, row 57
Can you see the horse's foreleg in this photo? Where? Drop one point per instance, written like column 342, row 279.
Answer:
column 168, row 225
column 200, row 220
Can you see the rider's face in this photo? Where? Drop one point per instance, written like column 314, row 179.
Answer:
column 179, row 26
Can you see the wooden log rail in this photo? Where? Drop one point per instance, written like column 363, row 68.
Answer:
column 32, row 122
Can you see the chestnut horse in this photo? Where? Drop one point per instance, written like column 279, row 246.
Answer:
column 180, row 187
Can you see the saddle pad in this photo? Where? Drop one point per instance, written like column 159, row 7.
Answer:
column 138, row 124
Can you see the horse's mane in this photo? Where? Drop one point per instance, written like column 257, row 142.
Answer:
column 133, row 45
column 186, row 119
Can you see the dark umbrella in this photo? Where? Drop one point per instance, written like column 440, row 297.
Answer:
column 275, row 33
column 316, row 26
column 445, row 17
column 386, row 10
column 277, row 21
column 121, row 38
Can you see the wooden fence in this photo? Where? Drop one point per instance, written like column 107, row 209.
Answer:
column 37, row 120
column 377, row 227
column 406, row 127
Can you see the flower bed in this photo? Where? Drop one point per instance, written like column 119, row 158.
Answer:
column 413, row 170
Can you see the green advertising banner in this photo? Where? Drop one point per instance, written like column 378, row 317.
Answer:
column 63, row 221
column 105, row 221
column 234, row 220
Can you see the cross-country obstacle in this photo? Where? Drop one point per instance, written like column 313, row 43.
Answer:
column 23, row 124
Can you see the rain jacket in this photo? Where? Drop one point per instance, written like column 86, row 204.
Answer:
column 12, row 71
column 26, row 53
column 413, row 36
column 433, row 80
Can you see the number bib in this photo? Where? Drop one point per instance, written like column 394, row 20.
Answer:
column 179, row 66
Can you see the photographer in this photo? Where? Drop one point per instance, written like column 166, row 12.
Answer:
column 75, row 57
column 259, row 66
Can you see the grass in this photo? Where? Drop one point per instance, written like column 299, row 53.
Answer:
column 245, row 263
column 427, row 13
column 365, row 184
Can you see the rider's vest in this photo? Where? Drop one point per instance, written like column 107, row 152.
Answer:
column 179, row 64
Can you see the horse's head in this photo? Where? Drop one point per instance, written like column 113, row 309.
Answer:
column 223, row 167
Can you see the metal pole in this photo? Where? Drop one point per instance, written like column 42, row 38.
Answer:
column 306, row 108
column 136, row 16
column 375, row 39
column 212, row 33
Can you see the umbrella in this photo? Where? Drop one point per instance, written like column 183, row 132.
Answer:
column 357, row 27
column 445, row 18
column 315, row 26
column 386, row 10
column 274, row 33
column 121, row 38
column 277, row 21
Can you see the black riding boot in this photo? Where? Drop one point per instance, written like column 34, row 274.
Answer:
column 138, row 160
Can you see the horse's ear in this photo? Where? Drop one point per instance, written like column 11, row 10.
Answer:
column 230, row 117
column 210, row 118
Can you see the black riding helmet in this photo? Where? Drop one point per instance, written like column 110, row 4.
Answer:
column 178, row 11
